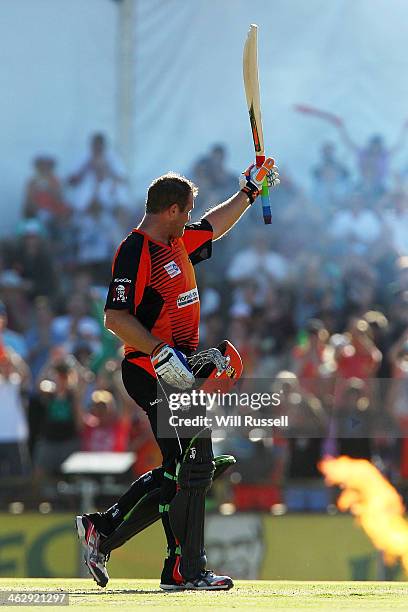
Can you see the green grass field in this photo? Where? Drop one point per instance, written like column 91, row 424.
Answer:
column 247, row 595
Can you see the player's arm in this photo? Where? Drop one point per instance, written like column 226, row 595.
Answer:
column 225, row 215
column 130, row 272
column 130, row 330
column 169, row 363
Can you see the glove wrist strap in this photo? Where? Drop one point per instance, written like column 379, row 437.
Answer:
column 251, row 194
column 157, row 348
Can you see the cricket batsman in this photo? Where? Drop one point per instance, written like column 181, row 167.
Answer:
column 153, row 307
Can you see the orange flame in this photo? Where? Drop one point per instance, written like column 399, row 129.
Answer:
column 374, row 501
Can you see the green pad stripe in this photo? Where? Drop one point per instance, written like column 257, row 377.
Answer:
column 170, row 476
column 164, row 508
column 129, row 514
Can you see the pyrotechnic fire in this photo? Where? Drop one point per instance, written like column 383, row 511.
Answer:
column 374, row 501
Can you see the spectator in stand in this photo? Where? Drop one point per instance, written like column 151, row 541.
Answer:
column 308, row 424
column 210, row 303
column 359, row 287
column 95, row 247
column 276, row 330
column 397, row 398
column 330, row 310
column 373, row 159
column 285, row 204
column 132, row 425
column 75, row 325
column 104, row 429
column 44, row 198
column 360, row 357
column 99, row 175
column 81, row 283
column 330, row 179
column 303, row 229
column 215, row 180
column 14, row 380
column 354, row 417
column 211, row 330
column 109, row 379
column 223, row 181
column 379, row 328
column 313, row 358
column 201, row 175
column 38, row 336
column 257, row 489
column 396, row 220
column 398, row 315
column 14, row 294
column 357, row 357
column 58, row 415
column 401, row 281
column 239, row 329
column 355, row 228
column 258, row 262
column 9, row 338
column 34, row 261
column 310, row 288
column 248, row 297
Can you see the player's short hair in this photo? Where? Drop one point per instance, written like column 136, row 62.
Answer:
column 168, row 189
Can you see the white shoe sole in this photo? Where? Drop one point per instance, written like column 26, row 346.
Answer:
column 190, row 587
column 172, row 587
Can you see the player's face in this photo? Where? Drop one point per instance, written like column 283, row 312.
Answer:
column 184, row 217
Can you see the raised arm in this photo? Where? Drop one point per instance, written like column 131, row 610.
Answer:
column 225, row 215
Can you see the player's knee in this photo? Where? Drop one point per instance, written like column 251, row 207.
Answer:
column 196, row 471
column 196, row 476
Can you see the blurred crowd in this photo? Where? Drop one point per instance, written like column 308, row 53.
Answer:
column 317, row 304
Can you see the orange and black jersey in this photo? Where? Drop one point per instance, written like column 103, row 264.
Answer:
column 156, row 283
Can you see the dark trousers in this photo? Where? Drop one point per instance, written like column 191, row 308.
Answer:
column 143, row 389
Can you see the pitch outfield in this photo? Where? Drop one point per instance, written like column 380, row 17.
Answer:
column 247, row 595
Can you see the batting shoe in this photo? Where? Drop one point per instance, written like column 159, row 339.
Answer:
column 171, row 579
column 208, row 581
column 94, row 559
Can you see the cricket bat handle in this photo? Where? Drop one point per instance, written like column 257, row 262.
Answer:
column 266, row 205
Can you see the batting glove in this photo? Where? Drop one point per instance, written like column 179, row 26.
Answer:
column 252, row 179
column 171, row 366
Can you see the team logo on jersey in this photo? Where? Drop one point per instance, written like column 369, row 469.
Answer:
column 172, row 269
column 187, row 298
column 120, row 293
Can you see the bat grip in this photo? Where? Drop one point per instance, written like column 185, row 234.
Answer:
column 266, row 206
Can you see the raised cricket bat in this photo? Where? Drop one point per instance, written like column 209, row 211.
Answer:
column 251, row 84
